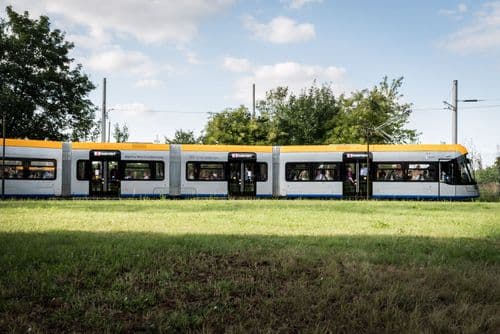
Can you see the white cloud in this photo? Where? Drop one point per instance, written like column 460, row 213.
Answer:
column 297, row 4
column 191, row 56
column 236, row 64
column 280, row 30
column 482, row 35
column 148, row 21
column 456, row 13
column 291, row 74
column 121, row 61
column 149, row 83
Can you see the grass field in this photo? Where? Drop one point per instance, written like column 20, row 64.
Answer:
column 258, row 266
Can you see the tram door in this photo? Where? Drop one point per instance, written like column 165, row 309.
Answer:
column 356, row 183
column 242, row 167
column 104, row 173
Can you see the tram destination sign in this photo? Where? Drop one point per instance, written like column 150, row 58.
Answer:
column 104, row 154
column 359, row 155
column 242, row 156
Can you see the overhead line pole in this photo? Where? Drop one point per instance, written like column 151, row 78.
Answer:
column 103, row 117
column 253, row 100
column 454, row 112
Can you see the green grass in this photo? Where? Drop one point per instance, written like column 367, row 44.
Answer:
column 258, row 266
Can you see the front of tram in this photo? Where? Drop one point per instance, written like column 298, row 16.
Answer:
column 459, row 174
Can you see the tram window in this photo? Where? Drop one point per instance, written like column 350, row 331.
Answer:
column 42, row 169
column 261, row 172
column 422, row 172
column 82, row 170
column 447, row 172
column 297, row 171
column 159, row 170
column 205, row 171
column 309, row 171
column 144, row 170
column 464, row 171
column 389, row 172
column 325, row 172
column 13, row 169
column 27, row 169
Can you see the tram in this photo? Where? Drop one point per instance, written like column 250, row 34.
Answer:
column 36, row 168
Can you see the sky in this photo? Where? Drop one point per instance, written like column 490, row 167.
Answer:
column 169, row 64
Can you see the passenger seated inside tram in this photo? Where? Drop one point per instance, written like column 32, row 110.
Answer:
column 147, row 176
column 204, row 174
column 304, row 175
column 397, row 175
column 381, row 175
column 328, row 175
column 47, row 175
column 128, row 175
column 319, row 175
column 417, row 175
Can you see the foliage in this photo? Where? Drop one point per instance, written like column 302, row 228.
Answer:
column 377, row 112
column 236, row 126
column 303, row 119
column 316, row 116
column 42, row 90
column 120, row 134
column 183, row 137
column 489, row 174
column 249, row 266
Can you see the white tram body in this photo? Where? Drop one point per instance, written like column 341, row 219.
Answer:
column 33, row 168
column 219, row 171
column 44, row 168
column 119, row 169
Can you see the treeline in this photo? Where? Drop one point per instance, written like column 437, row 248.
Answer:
column 314, row 116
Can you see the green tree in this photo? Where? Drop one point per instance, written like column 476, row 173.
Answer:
column 236, row 126
column 183, row 137
column 306, row 118
column 120, row 134
column 378, row 111
column 43, row 92
column 489, row 174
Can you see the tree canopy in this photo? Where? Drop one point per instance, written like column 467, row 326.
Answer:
column 377, row 111
column 183, row 137
column 43, row 92
column 120, row 134
column 317, row 116
column 300, row 119
column 236, row 126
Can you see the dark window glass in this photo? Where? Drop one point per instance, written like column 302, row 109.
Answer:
column 261, row 172
column 205, row 171
column 143, row 170
column 13, row 169
column 29, row 169
column 389, row 172
column 309, row 171
column 297, row 172
column 424, row 172
column 325, row 172
column 448, row 172
column 82, row 170
column 464, row 171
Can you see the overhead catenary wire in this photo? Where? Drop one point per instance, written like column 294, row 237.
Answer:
column 214, row 112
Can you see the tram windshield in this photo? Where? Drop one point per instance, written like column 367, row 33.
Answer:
column 465, row 171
